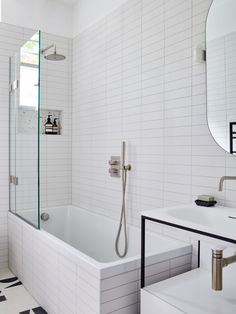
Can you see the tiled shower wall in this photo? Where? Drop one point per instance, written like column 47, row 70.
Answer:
column 134, row 79
column 55, row 151
column 55, row 188
column 11, row 38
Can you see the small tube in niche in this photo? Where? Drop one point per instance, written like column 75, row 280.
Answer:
column 55, row 127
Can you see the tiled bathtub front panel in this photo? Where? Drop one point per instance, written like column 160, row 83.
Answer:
column 59, row 281
column 63, row 283
column 120, row 293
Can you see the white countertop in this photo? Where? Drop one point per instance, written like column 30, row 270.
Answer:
column 214, row 220
column 191, row 292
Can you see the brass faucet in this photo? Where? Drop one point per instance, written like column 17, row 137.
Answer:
column 222, row 179
column 218, row 263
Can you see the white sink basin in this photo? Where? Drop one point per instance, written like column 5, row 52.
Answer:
column 217, row 220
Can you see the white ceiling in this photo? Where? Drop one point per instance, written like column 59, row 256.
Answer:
column 68, row 2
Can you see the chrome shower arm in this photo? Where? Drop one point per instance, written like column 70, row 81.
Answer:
column 49, row 47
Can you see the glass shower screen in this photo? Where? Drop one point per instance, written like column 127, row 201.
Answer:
column 24, row 120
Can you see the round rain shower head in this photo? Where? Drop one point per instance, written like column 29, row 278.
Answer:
column 54, row 57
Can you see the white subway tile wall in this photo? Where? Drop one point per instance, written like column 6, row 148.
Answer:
column 11, row 37
column 55, row 152
column 134, row 79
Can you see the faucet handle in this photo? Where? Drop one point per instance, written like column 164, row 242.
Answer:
column 218, row 247
column 113, row 162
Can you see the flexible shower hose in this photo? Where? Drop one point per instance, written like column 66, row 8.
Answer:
column 122, row 218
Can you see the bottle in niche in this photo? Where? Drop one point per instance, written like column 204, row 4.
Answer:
column 55, row 128
column 48, row 125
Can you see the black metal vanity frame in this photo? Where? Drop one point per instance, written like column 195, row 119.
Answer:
column 143, row 233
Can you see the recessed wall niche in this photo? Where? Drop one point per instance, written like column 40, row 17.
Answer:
column 54, row 114
column 28, row 116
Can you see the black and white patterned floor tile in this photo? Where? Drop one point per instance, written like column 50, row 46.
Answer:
column 14, row 298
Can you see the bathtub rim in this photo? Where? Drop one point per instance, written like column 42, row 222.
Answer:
column 67, row 249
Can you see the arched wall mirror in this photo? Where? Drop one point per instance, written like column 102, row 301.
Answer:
column 221, row 73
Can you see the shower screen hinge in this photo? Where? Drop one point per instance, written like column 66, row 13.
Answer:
column 14, row 85
column 14, row 180
column 11, row 179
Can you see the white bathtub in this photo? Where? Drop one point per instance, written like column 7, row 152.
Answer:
column 70, row 266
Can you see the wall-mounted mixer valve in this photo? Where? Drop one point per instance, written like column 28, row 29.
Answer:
column 114, row 169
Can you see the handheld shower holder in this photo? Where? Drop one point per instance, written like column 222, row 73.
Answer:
column 116, row 167
column 117, row 163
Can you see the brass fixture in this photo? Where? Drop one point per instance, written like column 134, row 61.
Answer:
column 124, row 167
column 115, row 167
column 45, row 216
column 117, row 163
column 119, row 168
column 218, row 263
column 224, row 178
column 52, row 56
